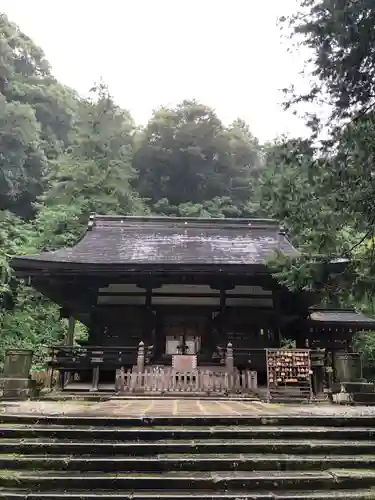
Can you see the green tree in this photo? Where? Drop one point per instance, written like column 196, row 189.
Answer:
column 186, row 155
column 341, row 38
column 36, row 116
column 340, row 35
column 61, row 157
column 94, row 172
column 22, row 158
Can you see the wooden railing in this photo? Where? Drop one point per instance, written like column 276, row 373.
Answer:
column 133, row 374
column 69, row 357
column 69, row 360
column 168, row 380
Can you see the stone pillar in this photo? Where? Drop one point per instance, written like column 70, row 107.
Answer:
column 347, row 366
column 229, row 364
column 229, row 361
column 16, row 377
column 141, row 358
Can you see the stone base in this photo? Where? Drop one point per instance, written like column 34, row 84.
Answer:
column 15, row 388
column 352, row 387
column 354, row 392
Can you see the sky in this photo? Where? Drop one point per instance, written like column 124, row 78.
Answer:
column 228, row 54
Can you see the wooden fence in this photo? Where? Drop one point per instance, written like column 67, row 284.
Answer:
column 168, row 380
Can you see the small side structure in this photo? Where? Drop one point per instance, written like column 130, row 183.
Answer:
column 177, row 305
column 15, row 381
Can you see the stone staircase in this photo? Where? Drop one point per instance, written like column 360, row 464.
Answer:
column 295, row 457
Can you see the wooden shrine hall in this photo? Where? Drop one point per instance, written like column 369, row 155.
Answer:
column 187, row 305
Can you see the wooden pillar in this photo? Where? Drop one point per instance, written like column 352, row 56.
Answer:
column 69, row 341
column 62, row 380
column 95, row 334
column 148, row 298
column 146, row 320
column 96, row 326
column 317, row 366
column 221, row 337
column 220, row 333
column 329, row 370
column 276, row 303
column 96, row 360
column 50, row 372
column 96, row 329
column 69, row 338
column 223, row 298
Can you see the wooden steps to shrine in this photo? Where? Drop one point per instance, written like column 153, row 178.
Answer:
column 250, row 457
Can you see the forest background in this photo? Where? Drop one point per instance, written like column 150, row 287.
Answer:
column 63, row 156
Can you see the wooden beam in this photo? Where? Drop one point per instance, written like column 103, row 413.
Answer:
column 222, row 286
column 186, row 295
column 156, row 279
column 184, row 308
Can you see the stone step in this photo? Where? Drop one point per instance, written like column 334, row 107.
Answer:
column 176, row 432
column 257, row 457
column 358, row 494
column 147, row 448
column 177, row 480
column 285, row 420
column 282, row 399
column 187, row 462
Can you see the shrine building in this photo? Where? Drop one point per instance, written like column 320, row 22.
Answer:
column 188, row 304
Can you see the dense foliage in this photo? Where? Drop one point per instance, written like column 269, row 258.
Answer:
column 62, row 157
column 339, row 35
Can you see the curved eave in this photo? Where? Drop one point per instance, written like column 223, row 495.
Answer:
column 338, row 317
column 355, row 325
column 337, row 265
column 29, row 266
column 36, row 267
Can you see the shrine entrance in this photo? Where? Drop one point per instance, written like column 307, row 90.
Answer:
column 184, row 335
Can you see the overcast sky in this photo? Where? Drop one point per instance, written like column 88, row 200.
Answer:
column 226, row 53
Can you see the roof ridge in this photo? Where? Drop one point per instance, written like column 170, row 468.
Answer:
column 253, row 223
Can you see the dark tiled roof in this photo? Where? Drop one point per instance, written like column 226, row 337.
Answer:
column 164, row 240
column 336, row 316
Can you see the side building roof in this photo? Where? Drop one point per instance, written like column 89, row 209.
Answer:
column 339, row 317
column 128, row 243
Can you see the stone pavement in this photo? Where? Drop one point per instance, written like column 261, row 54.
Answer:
column 139, row 407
